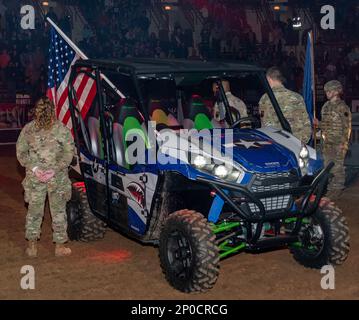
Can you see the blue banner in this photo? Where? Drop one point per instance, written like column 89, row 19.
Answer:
column 308, row 81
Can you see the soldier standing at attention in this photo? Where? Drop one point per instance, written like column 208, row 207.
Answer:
column 336, row 130
column 291, row 104
column 46, row 148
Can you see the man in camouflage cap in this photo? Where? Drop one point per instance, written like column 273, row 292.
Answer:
column 291, row 104
column 46, row 148
column 336, row 130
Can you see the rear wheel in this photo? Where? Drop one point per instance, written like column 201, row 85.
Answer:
column 324, row 238
column 188, row 253
column 82, row 223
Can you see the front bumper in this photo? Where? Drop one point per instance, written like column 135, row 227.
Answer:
column 307, row 199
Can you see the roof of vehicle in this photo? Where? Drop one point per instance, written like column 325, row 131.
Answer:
column 167, row 66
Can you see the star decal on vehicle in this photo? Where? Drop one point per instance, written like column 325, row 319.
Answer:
column 248, row 144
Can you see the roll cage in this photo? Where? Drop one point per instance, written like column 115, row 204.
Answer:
column 137, row 69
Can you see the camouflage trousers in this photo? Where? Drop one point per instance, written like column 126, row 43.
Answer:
column 337, row 155
column 58, row 192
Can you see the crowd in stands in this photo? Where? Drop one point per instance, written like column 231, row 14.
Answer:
column 22, row 55
column 129, row 36
column 225, row 34
column 117, row 29
column 337, row 51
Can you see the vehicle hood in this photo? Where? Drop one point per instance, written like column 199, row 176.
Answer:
column 256, row 151
column 262, row 150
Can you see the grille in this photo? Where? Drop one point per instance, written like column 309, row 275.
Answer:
column 270, row 204
column 273, row 182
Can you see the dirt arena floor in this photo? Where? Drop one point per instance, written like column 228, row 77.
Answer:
column 118, row 268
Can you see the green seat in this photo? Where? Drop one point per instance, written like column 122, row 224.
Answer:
column 129, row 123
column 197, row 115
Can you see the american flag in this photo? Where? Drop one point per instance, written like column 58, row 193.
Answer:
column 61, row 57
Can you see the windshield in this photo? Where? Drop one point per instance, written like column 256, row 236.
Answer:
column 173, row 102
column 195, row 101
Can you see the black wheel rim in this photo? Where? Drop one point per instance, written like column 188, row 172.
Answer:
column 312, row 237
column 179, row 254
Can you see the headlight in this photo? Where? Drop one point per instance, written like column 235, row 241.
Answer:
column 199, row 161
column 223, row 171
column 234, row 175
column 304, row 153
column 303, row 159
column 301, row 163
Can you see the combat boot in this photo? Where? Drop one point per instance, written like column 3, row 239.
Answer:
column 61, row 250
column 31, row 250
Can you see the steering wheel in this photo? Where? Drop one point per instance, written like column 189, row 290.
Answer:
column 250, row 119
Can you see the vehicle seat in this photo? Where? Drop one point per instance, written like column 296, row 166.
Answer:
column 160, row 113
column 197, row 115
column 128, row 121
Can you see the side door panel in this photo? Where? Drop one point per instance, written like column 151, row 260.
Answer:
column 118, row 201
column 122, row 196
column 131, row 188
column 90, row 134
column 94, row 174
column 137, row 191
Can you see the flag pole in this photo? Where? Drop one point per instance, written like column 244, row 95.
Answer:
column 82, row 55
column 311, row 35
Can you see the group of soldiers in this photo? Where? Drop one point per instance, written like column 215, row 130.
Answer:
column 46, row 148
column 335, row 124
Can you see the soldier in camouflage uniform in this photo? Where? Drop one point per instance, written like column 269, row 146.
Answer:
column 336, row 129
column 233, row 102
column 46, row 148
column 291, row 104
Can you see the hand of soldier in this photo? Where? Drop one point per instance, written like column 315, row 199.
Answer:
column 48, row 175
column 316, row 122
column 39, row 174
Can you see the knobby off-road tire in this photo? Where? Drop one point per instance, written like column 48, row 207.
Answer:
column 171, row 202
column 82, row 223
column 188, row 253
column 335, row 231
column 73, row 216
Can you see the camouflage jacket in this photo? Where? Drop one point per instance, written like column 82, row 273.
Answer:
column 46, row 149
column 234, row 102
column 336, row 123
column 293, row 108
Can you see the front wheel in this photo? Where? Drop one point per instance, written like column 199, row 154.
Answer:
column 323, row 238
column 188, row 253
column 81, row 223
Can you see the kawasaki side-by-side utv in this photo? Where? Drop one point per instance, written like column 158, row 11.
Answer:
column 259, row 187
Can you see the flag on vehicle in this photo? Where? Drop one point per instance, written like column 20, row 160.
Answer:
column 308, row 81
column 62, row 55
